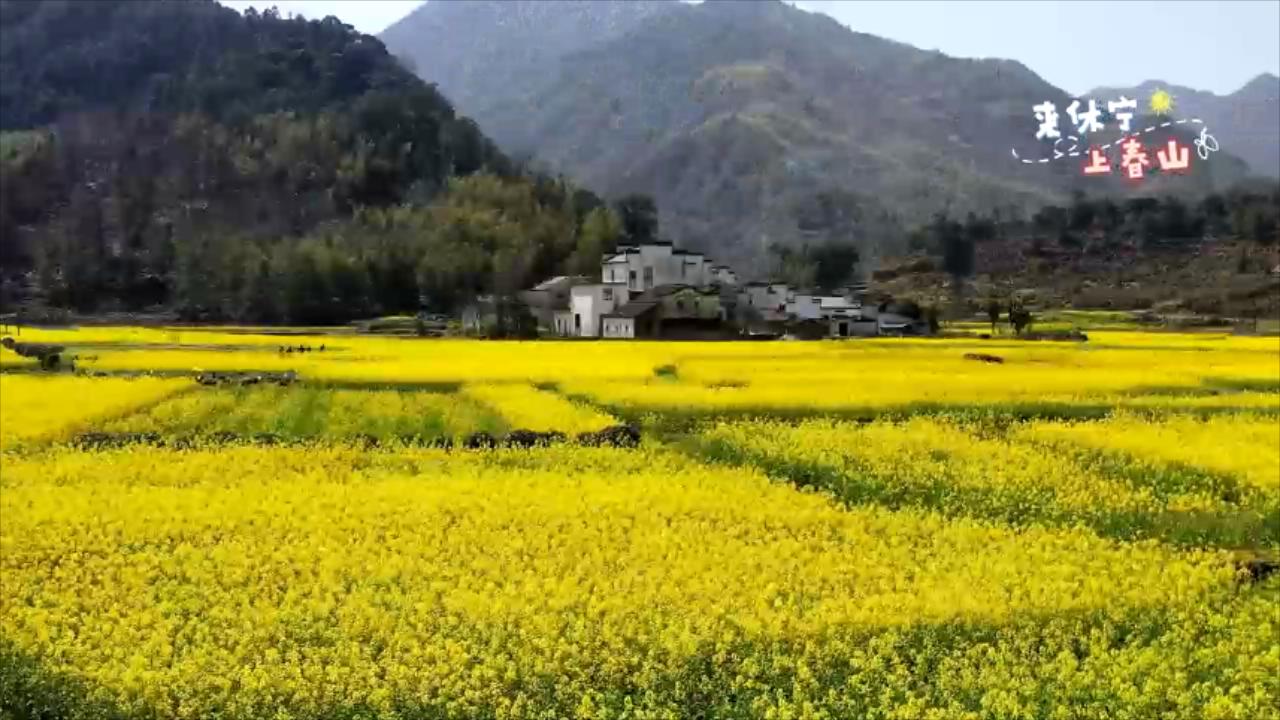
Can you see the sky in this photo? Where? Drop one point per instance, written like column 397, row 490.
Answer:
column 1074, row 44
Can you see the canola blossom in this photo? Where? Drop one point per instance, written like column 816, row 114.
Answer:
column 528, row 408
column 1243, row 446
column 314, row 412
column 1086, row 531
column 936, row 463
column 40, row 408
column 309, row 582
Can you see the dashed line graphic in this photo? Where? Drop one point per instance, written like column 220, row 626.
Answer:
column 1205, row 144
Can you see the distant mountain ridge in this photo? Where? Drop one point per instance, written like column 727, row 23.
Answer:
column 1245, row 122
column 741, row 117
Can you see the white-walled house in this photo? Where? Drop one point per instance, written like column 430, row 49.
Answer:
column 723, row 275
column 853, row 327
column 804, row 307
column 618, row 327
column 588, row 302
column 767, row 300
column 650, row 265
column 550, row 296
column 694, row 269
column 576, row 308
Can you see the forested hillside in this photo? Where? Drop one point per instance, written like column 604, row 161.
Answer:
column 741, row 117
column 175, row 153
column 1218, row 256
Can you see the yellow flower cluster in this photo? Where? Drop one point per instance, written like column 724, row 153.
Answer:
column 938, row 463
column 528, row 408
column 874, row 371
column 38, row 407
column 380, row 360
column 1243, row 446
column 324, row 582
column 320, row 412
column 952, row 566
column 873, row 376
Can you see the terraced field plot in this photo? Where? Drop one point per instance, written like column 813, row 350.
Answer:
column 806, row 530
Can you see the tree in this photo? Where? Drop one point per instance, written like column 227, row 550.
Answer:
column 639, row 216
column 979, row 229
column 179, row 124
column 1019, row 318
column 957, row 253
column 833, row 264
column 793, row 266
column 599, row 234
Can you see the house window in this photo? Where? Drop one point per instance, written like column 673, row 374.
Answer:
column 648, row 277
column 632, row 282
column 577, row 323
column 608, row 293
column 683, row 269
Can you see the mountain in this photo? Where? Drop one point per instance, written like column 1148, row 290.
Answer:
column 1246, row 122
column 497, row 50
column 750, row 121
column 143, row 142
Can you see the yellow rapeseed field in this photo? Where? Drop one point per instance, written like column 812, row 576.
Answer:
column 526, row 407
column 1025, row 478
column 35, row 408
column 314, row 412
column 1243, row 446
column 307, row 580
column 876, row 529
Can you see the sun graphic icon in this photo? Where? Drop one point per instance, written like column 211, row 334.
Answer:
column 1161, row 102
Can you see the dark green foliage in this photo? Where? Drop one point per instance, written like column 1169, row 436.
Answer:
column 833, row 264
column 825, row 267
column 956, row 245
column 1098, row 226
column 1020, row 318
column 639, row 217
column 62, row 57
column 174, row 153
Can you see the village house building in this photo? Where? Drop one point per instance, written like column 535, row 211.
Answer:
column 640, row 287
column 656, row 290
column 649, row 265
column 587, row 303
column 668, row 311
column 765, row 301
column 724, row 276
column 549, row 296
column 822, row 307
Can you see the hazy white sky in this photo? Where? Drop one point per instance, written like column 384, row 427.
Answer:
column 367, row 16
column 1074, row 44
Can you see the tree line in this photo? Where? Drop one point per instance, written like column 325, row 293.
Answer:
column 147, row 146
column 260, row 169
column 1249, row 212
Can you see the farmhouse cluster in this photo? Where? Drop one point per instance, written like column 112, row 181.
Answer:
column 655, row 290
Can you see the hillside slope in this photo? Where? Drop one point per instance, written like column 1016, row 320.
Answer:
column 143, row 138
column 1245, row 122
column 738, row 116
